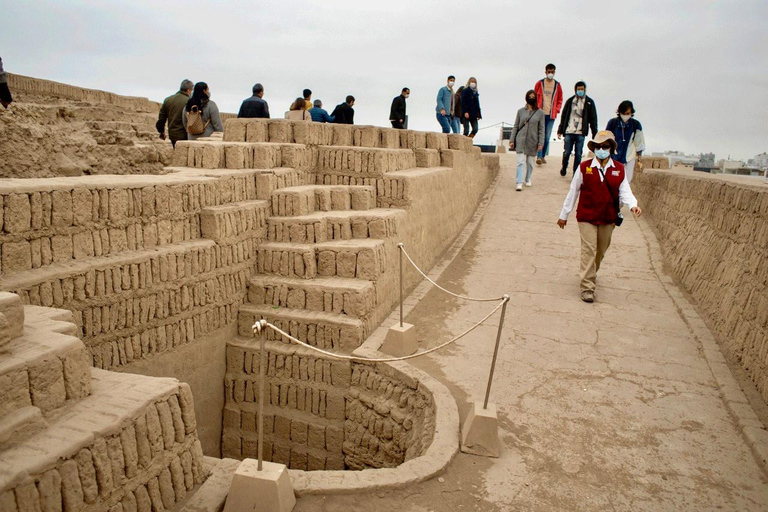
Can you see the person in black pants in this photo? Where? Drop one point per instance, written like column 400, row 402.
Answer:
column 397, row 112
column 470, row 106
column 5, row 93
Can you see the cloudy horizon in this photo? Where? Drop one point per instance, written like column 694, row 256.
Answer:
column 694, row 69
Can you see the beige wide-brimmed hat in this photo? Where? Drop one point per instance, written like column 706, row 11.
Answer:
column 602, row 136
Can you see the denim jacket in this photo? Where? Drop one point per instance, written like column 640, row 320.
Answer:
column 444, row 96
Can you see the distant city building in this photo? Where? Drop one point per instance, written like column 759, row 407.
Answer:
column 679, row 158
column 760, row 161
column 706, row 162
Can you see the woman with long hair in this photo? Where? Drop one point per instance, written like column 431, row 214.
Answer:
column 298, row 111
column 470, row 106
column 201, row 115
column 629, row 137
column 527, row 138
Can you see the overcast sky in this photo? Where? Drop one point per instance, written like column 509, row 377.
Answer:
column 696, row 70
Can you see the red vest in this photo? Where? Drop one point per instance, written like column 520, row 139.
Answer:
column 596, row 205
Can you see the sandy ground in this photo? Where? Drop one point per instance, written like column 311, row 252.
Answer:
column 604, row 406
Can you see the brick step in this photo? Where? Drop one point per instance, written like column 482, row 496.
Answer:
column 295, row 201
column 217, row 154
column 336, row 225
column 323, row 330
column 234, row 220
column 122, row 263
column 341, row 296
column 364, row 259
column 290, row 260
column 12, row 309
column 363, row 161
column 47, row 366
column 131, row 428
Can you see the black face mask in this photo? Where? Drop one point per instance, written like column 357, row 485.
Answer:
column 531, row 101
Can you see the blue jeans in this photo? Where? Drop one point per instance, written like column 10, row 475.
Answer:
column 445, row 122
column 573, row 141
column 524, row 160
column 455, row 123
column 548, row 124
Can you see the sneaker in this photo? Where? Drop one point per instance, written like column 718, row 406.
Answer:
column 563, row 172
column 519, row 187
column 588, row 296
column 543, row 160
column 527, row 183
column 538, row 161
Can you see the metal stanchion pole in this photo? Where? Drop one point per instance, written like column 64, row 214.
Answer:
column 400, row 245
column 262, row 363
column 496, row 350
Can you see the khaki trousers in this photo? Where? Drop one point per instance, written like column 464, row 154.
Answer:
column 595, row 240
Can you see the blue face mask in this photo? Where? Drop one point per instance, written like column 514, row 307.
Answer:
column 602, row 154
column 580, row 94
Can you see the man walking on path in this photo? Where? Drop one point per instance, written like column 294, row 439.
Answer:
column 255, row 106
column 344, row 113
column 599, row 185
column 171, row 113
column 579, row 116
column 549, row 95
column 445, row 104
column 319, row 114
column 397, row 112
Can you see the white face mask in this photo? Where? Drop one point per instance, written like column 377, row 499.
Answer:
column 473, row 85
column 406, row 95
column 450, row 83
column 625, row 117
column 550, row 76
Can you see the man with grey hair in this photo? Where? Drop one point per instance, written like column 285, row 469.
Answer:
column 319, row 114
column 255, row 106
column 5, row 93
column 171, row 112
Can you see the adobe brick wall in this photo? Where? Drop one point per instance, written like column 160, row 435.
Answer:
column 714, row 234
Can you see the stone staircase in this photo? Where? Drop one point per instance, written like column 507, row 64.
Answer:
column 77, row 438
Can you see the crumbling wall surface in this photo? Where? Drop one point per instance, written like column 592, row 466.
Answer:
column 714, row 233
column 321, row 413
column 53, row 129
column 128, row 255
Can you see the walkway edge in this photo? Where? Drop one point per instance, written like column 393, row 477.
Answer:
column 734, row 398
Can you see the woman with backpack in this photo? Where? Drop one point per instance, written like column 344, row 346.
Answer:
column 527, row 138
column 201, row 115
column 629, row 137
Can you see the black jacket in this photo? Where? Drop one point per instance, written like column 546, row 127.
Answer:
column 470, row 103
column 589, row 120
column 397, row 112
column 254, row 107
column 344, row 114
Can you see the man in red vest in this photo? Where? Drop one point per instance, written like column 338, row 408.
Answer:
column 600, row 188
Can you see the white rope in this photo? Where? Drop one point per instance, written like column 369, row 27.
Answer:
column 262, row 324
column 493, row 299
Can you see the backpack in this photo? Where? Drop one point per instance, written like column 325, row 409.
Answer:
column 195, row 124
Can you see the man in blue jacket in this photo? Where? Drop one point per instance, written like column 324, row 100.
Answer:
column 319, row 114
column 445, row 104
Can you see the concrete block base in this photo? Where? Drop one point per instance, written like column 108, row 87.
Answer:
column 400, row 341
column 479, row 433
column 268, row 490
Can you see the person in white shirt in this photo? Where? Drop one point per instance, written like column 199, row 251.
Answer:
column 600, row 187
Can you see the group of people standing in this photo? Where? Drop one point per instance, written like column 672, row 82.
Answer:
column 534, row 122
column 460, row 107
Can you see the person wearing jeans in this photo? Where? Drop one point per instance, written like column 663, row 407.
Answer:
column 445, row 104
column 579, row 116
column 527, row 138
column 549, row 96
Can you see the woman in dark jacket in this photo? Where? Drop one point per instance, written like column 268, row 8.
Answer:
column 458, row 116
column 470, row 106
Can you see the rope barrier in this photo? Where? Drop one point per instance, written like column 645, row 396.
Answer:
column 493, row 299
column 262, row 324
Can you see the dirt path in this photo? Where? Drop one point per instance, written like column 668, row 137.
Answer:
column 604, row 406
